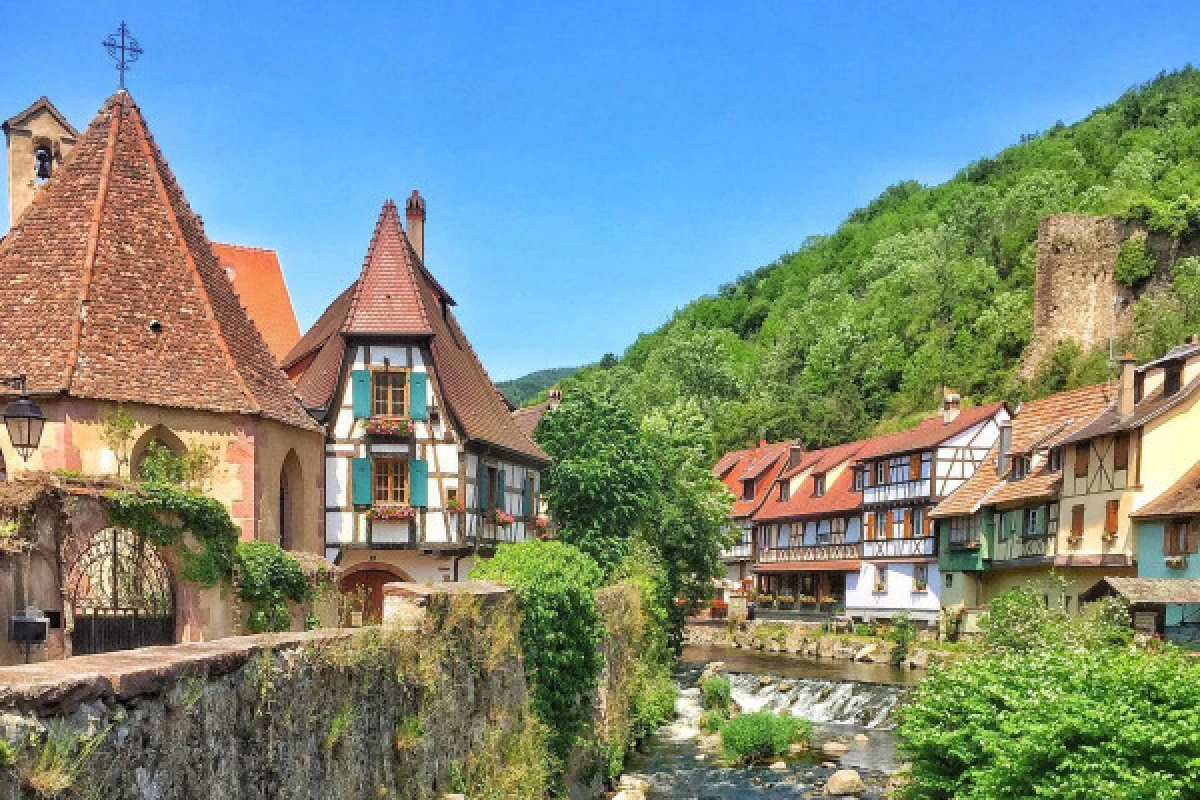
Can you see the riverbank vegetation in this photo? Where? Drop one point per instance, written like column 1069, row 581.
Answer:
column 1057, row 707
column 747, row 738
column 930, row 286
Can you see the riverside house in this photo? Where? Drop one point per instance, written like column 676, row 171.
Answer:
column 1001, row 528
column 749, row 474
column 425, row 466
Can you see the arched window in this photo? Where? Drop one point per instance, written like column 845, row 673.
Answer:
column 158, row 436
column 43, row 163
column 291, row 498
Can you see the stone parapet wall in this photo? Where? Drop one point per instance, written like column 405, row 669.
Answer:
column 372, row 713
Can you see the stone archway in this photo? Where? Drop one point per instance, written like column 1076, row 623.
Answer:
column 291, row 500
column 160, row 435
column 367, row 580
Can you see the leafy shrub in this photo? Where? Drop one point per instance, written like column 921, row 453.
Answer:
column 712, row 720
column 653, row 701
column 268, row 577
column 554, row 584
column 902, row 633
column 716, row 692
column 1135, row 261
column 761, row 735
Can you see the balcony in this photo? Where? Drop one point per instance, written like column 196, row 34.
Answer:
column 739, row 552
column 842, row 551
column 896, row 492
column 1014, row 547
column 918, row 547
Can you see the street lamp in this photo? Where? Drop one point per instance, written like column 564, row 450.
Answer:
column 23, row 418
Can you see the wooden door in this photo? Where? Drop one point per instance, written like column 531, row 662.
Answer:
column 369, row 583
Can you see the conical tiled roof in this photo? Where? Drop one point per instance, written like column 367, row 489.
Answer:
column 112, row 290
column 396, row 296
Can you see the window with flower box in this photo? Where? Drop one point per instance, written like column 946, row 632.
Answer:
column 389, row 393
column 391, row 481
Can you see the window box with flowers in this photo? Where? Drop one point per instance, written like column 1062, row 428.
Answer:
column 454, row 505
column 500, row 518
column 388, row 427
column 539, row 526
column 391, row 513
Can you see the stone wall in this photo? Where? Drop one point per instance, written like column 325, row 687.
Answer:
column 1074, row 289
column 401, row 712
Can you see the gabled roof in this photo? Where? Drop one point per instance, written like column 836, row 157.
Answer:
column 975, row 490
column 258, row 280
column 929, row 433
column 113, row 292
column 762, row 464
column 839, row 496
column 396, row 296
column 1181, row 500
column 41, row 104
column 1153, row 405
column 527, row 419
column 1178, row 353
column 1145, row 590
column 1042, row 423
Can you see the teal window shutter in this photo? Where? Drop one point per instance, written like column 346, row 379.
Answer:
column 501, row 494
column 481, row 489
column 1041, row 520
column 360, row 481
column 527, row 499
column 417, row 405
column 360, row 392
column 418, row 483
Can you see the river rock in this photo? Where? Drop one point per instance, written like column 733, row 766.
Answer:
column 862, row 738
column 630, row 794
column 845, row 782
column 765, row 681
column 834, row 748
column 779, row 766
column 919, row 660
column 786, row 686
column 633, row 782
column 865, row 653
column 825, row 646
column 796, row 748
column 712, row 669
column 708, row 741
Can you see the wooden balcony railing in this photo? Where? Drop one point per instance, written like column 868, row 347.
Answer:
column 1043, row 546
column 812, row 552
column 890, row 492
column 899, row 548
column 742, row 550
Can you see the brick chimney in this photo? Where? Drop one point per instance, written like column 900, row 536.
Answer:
column 414, row 210
column 1125, row 385
column 1003, row 446
column 554, row 398
column 951, row 405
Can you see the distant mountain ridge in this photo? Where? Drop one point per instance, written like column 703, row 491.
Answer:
column 520, row 391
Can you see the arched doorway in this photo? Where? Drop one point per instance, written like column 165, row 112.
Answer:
column 120, row 593
column 291, row 497
column 367, row 584
column 160, row 436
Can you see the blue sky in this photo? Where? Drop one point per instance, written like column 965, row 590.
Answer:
column 588, row 167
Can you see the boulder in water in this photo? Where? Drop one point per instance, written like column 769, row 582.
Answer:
column 834, row 749
column 633, row 782
column 779, row 766
column 845, row 782
column 919, row 660
column 765, row 681
column 796, row 748
column 864, row 653
column 786, row 686
column 630, row 794
column 862, row 738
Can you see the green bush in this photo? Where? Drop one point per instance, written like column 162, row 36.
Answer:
column 1135, row 261
column 555, row 585
column 653, row 701
column 901, row 633
column 712, row 720
column 269, row 577
column 761, row 735
column 716, row 692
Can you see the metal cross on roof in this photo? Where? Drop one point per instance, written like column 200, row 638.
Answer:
column 123, row 48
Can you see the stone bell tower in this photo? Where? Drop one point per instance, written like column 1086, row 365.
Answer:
column 37, row 140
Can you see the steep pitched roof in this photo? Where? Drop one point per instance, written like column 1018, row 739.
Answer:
column 929, row 433
column 527, row 419
column 258, row 280
column 839, row 496
column 396, row 296
column 970, row 497
column 1044, row 422
column 1181, row 499
column 762, row 464
column 108, row 248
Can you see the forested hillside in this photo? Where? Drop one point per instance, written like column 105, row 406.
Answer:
column 928, row 286
column 520, row 391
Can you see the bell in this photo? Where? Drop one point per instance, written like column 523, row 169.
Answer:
column 43, row 164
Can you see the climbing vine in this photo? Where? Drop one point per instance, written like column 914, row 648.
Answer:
column 268, row 577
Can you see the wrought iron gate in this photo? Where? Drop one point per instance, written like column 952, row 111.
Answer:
column 120, row 595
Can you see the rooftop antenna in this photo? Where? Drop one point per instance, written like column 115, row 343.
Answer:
column 123, row 48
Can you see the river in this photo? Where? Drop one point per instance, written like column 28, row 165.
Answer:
column 845, row 699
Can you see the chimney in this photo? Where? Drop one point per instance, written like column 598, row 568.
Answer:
column 951, row 404
column 1003, row 446
column 414, row 210
column 794, row 454
column 554, row 398
column 1125, row 385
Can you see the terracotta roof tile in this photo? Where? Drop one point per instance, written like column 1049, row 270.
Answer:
column 527, row 418
column 1039, row 485
column 1182, row 499
column 839, row 496
column 763, row 464
column 258, row 280
column 108, row 246
column 1043, row 422
column 929, row 433
column 387, row 298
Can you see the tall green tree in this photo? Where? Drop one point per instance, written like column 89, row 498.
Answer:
column 602, row 485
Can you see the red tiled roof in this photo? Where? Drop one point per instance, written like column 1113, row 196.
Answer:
column 527, row 418
column 763, row 464
column 109, row 246
column 1038, row 485
column 929, row 433
column 839, row 496
column 1182, row 499
column 470, row 397
column 1043, row 422
column 258, row 280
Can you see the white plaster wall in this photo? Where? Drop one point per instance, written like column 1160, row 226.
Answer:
column 337, row 483
column 863, row 601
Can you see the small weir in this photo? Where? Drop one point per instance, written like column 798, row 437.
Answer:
column 677, row 763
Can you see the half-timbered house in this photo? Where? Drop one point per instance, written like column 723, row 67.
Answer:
column 750, row 474
column 903, row 476
column 425, row 466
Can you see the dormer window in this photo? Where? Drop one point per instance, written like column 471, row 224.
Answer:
column 1020, row 467
column 1139, row 387
column 1172, row 378
column 1055, row 461
column 748, row 489
column 818, row 484
column 785, row 491
column 858, row 480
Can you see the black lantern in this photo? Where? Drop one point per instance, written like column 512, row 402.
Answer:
column 28, row 628
column 24, row 419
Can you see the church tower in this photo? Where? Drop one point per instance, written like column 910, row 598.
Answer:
column 37, row 140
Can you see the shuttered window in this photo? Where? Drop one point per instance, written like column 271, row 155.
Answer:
column 418, row 402
column 391, row 481
column 1077, row 520
column 908, row 523
column 1082, row 450
column 418, row 483
column 389, row 393
column 1181, row 537
column 1111, row 510
column 914, row 467
column 870, row 526
column 1121, row 451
